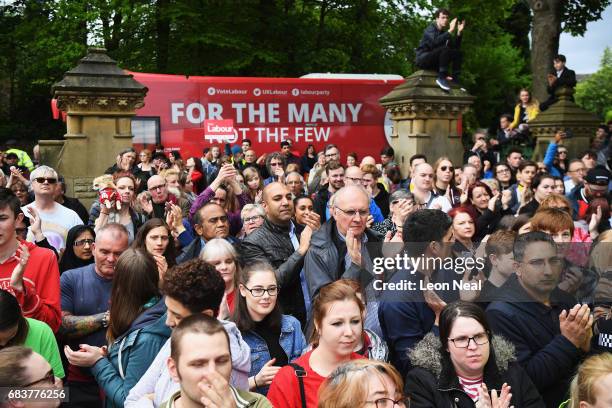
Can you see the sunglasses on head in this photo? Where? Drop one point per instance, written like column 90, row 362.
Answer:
column 49, row 180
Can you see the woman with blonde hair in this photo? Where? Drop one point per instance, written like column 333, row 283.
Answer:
column 221, row 254
column 525, row 110
column 254, row 183
column 591, row 386
column 363, row 383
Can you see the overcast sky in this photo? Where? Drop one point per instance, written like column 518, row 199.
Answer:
column 584, row 53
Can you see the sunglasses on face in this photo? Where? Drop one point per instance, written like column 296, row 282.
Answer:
column 445, row 168
column 49, row 378
column 41, row 180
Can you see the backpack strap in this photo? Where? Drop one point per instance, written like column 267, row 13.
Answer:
column 300, row 373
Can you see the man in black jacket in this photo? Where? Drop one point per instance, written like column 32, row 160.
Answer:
column 439, row 49
column 283, row 244
column 560, row 77
column 550, row 331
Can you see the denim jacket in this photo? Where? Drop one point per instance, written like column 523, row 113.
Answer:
column 291, row 340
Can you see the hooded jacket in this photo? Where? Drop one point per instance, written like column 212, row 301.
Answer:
column 129, row 355
column 547, row 356
column 433, row 382
column 157, row 380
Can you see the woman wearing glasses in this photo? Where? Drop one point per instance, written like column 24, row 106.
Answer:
column 401, row 204
column 252, row 216
column 79, row 248
column 467, row 366
column 503, row 174
column 363, row 383
column 275, row 339
column 338, row 325
column 221, row 254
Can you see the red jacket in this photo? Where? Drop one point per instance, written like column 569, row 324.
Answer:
column 41, row 298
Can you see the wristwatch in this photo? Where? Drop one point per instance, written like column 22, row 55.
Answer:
column 105, row 319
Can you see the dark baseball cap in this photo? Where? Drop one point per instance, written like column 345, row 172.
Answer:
column 599, row 176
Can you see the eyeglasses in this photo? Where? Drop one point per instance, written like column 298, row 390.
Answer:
column 274, row 164
column 390, row 403
column 294, row 183
column 352, row 213
column 83, row 242
column 562, row 152
column 503, row 171
column 254, row 218
column 259, row 292
column 160, row 187
column 464, row 341
column 41, row 180
column 445, row 168
column 49, row 377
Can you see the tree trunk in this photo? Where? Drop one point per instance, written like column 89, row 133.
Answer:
column 544, row 42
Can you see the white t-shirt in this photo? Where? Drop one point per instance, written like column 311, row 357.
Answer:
column 439, row 202
column 55, row 224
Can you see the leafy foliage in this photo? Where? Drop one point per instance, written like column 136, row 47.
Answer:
column 595, row 92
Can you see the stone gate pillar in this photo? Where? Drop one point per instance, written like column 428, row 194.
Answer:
column 99, row 99
column 566, row 115
column 425, row 119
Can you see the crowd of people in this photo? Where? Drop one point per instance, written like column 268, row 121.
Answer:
column 239, row 279
column 243, row 280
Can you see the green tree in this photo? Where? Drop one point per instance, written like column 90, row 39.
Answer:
column 595, row 93
column 550, row 18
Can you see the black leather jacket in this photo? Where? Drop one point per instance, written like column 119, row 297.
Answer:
column 272, row 243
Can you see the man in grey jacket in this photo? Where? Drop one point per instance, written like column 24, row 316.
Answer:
column 338, row 249
column 191, row 287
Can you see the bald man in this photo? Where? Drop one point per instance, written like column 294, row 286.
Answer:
column 283, row 244
column 337, row 250
column 157, row 186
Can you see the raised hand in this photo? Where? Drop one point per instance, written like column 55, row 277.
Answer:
column 576, row 324
column 353, row 247
column 452, row 26
column 461, row 26
column 492, row 400
column 21, row 256
column 493, row 201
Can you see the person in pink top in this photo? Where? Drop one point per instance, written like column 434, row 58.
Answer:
column 338, row 324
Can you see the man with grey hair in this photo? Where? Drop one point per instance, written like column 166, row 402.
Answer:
column 401, row 204
column 337, row 250
column 56, row 219
column 85, row 297
column 295, row 182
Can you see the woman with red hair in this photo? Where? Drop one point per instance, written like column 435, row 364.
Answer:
column 487, row 208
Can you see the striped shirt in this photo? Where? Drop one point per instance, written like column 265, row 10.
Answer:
column 470, row 386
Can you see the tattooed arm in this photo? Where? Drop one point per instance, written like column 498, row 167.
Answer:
column 80, row 326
